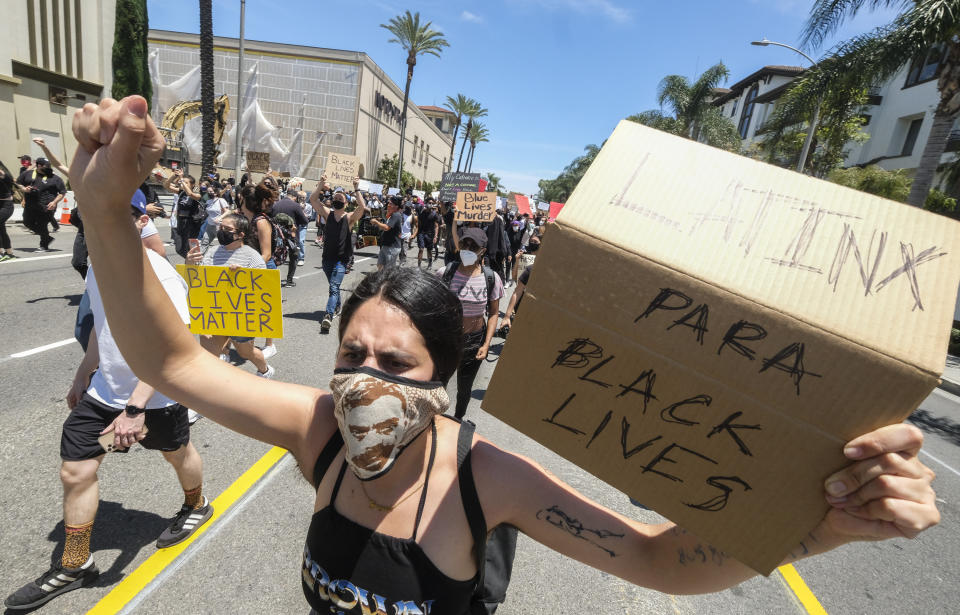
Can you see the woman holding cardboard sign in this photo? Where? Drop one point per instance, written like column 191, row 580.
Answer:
column 400, row 341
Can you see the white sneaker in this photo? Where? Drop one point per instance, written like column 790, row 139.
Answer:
column 267, row 374
column 269, row 351
column 225, row 358
column 300, row 263
column 193, row 416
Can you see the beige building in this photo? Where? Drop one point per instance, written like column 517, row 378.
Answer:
column 55, row 55
column 315, row 102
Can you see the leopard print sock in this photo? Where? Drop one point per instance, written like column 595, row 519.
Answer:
column 76, row 551
column 193, row 497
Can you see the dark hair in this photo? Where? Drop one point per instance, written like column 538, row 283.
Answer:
column 435, row 311
column 396, row 201
column 240, row 222
column 255, row 198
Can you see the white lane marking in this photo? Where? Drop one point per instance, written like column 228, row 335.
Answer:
column 30, row 259
column 955, row 471
column 27, row 353
column 224, row 521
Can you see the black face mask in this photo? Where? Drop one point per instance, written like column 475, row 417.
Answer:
column 338, row 204
column 225, row 237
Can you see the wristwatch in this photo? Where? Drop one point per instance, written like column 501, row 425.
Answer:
column 134, row 410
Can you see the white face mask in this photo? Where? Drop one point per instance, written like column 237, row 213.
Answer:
column 379, row 414
column 467, row 257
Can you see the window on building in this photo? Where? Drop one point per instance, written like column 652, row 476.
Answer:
column 426, row 160
column 866, row 119
column 925, row 67
column 413, row 159
column 748, row 106
column 420, row 161
column 912, row 133
column 733, row 111
column 439, row 122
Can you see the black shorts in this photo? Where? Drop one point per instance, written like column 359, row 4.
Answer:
column 424, row 241
column 167, row 429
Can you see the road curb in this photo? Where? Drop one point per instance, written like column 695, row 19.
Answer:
column 949, row 387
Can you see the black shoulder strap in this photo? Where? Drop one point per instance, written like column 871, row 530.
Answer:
column 334, row 444
column 488, row 274
column 448, row 273
column 468, row 495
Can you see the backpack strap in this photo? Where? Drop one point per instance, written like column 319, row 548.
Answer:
column 488, row 274
column 327, row 455
column 448, row 273
column 468, row 495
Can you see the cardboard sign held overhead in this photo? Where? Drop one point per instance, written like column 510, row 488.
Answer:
column 342, row 169
column 258, row 162
column 245, row 302
column 523, row 205
column 707, row 331
column 476, row 206
column 454, row 182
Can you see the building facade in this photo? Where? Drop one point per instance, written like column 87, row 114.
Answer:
column 55, row 56
column 315, row 102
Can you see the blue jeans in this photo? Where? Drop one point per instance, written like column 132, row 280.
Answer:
column 335, row 271
column 302, row 237
column 271, row 264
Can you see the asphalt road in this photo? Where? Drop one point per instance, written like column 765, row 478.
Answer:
column 248, row 562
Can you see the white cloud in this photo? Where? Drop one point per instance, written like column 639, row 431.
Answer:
column 471, row 17
column 606, row 8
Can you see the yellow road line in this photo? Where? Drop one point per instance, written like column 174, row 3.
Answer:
column 803, row 593
column 134, row 582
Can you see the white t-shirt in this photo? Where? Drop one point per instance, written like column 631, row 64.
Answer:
column 215, row 208
column 114, row 381
column 149, row 230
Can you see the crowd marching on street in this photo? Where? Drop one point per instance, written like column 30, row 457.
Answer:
column 430, row 311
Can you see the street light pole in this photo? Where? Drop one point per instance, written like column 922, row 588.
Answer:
column 816, row 112
column 243, row 6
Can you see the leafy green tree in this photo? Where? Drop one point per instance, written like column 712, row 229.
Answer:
column 894, row 185
column 876, row 56
column 474, row 110
column 478, row 133
column 493, row 183
column 387, row 173
column 208, row 114
column 461, row 105
column 560, row 188
column 694, row 115
column 416, row 39
column 840, row 123
column 131, row 75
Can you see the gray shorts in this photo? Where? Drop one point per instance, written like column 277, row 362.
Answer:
column 388, row 256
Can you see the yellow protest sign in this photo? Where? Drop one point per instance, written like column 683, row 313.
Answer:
column 241, row 302
column 476, row 206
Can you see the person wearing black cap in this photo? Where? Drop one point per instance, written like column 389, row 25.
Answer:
column 390, row 241
column 479, row 290
column 42, row 192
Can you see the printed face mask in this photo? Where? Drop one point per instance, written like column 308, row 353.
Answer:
column 468, row 257
column 379, row 414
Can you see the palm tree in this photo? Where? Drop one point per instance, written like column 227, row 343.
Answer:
column 416, row 40
column 459, row 105
column 206, row 85
column 477, row 134
column 493, row 181
column 694, row 115
column 878, row 55
column 475, row 111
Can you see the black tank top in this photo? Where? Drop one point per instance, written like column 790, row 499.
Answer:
column 337, row 243
column 349, row 569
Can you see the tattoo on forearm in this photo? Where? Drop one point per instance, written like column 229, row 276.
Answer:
column 802, row 549
column 559, row 519
column 699, row 554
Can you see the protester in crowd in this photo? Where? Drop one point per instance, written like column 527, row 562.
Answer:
column 337, row 242
column 390, row 241
column 107, row 397
column 448, row 212
column 255, row 203
column 479, row 289
column 6, row 210
column 294, row 210
column 232, row 233
column 43, row 191
column 408, row 230
column 189, row 212
column 400, row 342
column 428, row 223
column 311, row 216
column 215, row 207
column 497, row 247
column 514, row 304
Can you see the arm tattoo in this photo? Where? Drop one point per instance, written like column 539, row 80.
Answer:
column 699, row 554
column 557, row 518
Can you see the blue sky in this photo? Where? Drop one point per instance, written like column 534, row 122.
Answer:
column 556, row 75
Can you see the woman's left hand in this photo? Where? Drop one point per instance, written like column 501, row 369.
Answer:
column 886, row 493
column 482, row 352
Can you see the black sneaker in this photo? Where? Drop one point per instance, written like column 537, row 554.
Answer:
column 326, row 323
column 187, row 521
column 58, row 580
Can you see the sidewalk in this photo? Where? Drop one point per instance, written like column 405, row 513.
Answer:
column 950, row 382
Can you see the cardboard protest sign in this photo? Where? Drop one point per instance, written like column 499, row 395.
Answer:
column 476, row 206
column 554, row 210
column 523, row 204
column 420, row 194
column 482, row 186
column 393, row 191
column 454, row 182
column 258, row 162
column 435, row 194
column 706, row 332
column 342, row 169
column 245, row 302
column 364, row 185
column 376, row 188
